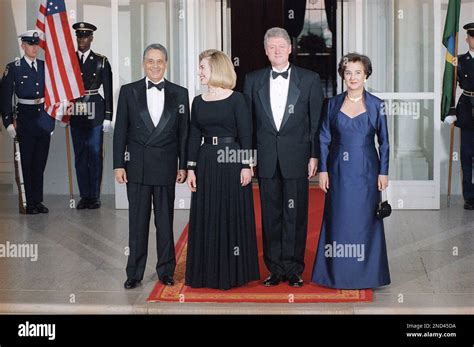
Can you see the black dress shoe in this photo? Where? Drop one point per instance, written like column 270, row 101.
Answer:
column 31, row 210
column 94, row 203
column 295, row 281
column 469, row 205
column 41, row 208
column 130, row 284
column 272, row 280
column 167, row 280
column 83, row 204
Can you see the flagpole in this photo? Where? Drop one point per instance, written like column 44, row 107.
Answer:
column 451, row 140
column 69, row 165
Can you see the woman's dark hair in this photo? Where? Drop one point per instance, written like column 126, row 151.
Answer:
column 353, row 58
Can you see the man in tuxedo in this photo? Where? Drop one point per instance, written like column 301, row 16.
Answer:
column 286, row 102
column 150, row 136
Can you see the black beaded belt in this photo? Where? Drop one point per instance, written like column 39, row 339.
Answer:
column 215, row 140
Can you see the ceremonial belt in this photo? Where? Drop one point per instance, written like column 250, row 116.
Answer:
column 30, row 101
column 468, row 93
column 91, row 92
column 215, row 140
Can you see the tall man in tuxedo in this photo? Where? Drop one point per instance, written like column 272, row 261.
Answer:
column 286, row 103
column 150, row 136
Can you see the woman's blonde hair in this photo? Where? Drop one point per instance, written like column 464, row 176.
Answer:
column 222, row 70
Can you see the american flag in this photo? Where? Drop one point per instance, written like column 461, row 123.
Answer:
column 63, row 80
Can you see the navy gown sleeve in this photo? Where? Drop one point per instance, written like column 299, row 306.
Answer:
column 325, row 139
column 382, row 137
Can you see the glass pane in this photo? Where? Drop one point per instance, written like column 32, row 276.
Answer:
column 398, row 37
column 315, row 45
column 411, row 128
column 145, row 22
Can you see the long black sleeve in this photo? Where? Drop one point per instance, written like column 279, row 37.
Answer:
column 244, row 128
column 120, row 131
column 183, row 130
column 107, row 85
column 194, row 139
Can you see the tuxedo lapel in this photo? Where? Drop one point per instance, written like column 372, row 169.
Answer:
column 264, row 95
column 293, row 95
column 139, row 91
column 167, row 114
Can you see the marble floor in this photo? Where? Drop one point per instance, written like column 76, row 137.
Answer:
column 81, row 261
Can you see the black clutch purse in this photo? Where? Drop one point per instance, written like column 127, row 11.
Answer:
column 383, row 210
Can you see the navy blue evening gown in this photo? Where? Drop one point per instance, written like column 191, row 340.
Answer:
column 351, row 252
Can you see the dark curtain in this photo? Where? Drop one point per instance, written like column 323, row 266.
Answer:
column 294, row 16
column 331, row 8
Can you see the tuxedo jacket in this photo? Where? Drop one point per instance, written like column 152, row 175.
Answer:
column 150, row 154
column 296, row 141
column 378, row 119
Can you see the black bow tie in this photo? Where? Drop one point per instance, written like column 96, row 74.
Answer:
column 158, row 86
column 283, row 74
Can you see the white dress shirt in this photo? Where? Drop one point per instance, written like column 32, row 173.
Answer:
column 279, row 95
column 85, row 54
column 30, row 61
column 471, row 53
column 155, row 100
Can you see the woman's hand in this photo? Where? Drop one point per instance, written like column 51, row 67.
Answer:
column 245, row 177
column 192, row 181
column 383, row 182
column 324, row 181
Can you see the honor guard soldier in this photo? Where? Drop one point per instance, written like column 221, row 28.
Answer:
column 93, row 116
column 23, row 81
column 464, row 118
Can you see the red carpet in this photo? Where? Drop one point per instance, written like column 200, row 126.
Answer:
column 255, row 291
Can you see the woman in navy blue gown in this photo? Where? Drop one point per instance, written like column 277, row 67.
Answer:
column 351, row 251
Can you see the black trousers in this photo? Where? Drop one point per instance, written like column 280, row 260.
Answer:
column 88, row 144
column 284, row 221
column 467, row 154
column 34, row 155
column 140, row 198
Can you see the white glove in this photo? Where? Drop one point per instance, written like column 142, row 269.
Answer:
column 11, row 131
column 107, row 126
column 450, row 119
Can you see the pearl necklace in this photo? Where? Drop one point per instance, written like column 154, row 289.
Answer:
column 354, row 99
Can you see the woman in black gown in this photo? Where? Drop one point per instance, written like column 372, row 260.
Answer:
column 222, row 246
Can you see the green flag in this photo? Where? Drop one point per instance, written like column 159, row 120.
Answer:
column 451, row 28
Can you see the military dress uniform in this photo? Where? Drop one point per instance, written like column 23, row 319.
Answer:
column 465, row 119
column 87, row 123
column 25, row 79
